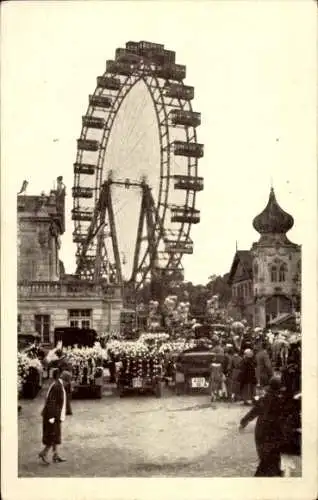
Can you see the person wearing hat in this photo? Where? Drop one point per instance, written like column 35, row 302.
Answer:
column 247, row 376
column 233, row 376
column 53, row 414
column 268, row 430
column 264, row 370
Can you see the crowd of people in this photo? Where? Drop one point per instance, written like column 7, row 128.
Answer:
column 244, row 363
column 263, row 370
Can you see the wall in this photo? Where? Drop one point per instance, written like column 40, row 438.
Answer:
column 264, row 258
column 40, row 223
column 105, row 314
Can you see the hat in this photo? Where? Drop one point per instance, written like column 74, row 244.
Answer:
column 248, row 353
column 66, row 376
column 275, row 383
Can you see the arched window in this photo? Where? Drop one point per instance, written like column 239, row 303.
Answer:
column 282, row 272
column 273, row 271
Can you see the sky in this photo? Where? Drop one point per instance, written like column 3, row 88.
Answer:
column 253, row 67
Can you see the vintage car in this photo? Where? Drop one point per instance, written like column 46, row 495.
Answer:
column 136, row 374
column 193, row 369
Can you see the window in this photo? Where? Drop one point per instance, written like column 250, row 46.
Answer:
column 19, row 323
column 282, row 272
column 80, row 318
column 42, row 326
column 273, row 270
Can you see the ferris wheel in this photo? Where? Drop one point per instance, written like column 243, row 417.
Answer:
column 136, row 170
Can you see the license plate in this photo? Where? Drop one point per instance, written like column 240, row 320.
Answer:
column 137, row 382
column 199, row 383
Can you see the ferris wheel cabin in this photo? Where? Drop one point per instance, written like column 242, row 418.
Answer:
column 108, row 82
column 93, row 122
column 185, row 215
column 189, row 183
column 82, row 215
column 171, row 71
column 178, row 91
column 87, row 145
column 100, row 101
column 84, row 168
column 185, row 118
column 119, row 68
column 153, row 51
column 192, row 149
column 82, row 192
column 179, row 247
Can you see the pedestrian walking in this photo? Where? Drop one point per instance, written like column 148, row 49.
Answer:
column 53, row 414
column 268, row 433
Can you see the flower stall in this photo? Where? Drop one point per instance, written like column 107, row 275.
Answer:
column 139, row 368
column 87, row 370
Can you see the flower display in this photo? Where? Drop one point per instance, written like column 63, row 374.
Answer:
column 86, row 362
column 154, row 337
column 24, row 363
column 127, row 348
column 36, row 363
column 176, row 346
column 136, row 357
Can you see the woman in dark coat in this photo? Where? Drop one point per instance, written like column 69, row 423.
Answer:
column 247, row 376
column 53, row 414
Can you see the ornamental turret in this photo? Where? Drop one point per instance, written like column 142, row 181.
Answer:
column 273, row 219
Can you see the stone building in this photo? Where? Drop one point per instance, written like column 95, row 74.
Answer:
column 47, row 297
column 266, row 280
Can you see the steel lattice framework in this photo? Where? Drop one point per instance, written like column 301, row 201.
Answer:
column 93, row 211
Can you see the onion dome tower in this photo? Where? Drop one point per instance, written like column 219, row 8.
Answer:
column 273, row 222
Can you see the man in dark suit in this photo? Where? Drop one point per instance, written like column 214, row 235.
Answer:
column 276, row 430
column 53, row 414
column 267, row 430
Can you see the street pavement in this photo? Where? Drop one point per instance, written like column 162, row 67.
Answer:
column 142, row 436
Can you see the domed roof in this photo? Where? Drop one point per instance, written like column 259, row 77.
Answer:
column 273, row 219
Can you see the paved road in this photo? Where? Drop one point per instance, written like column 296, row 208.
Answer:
column 142, row 436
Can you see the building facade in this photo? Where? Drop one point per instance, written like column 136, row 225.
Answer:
column 266, row 280
column 47, row 297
